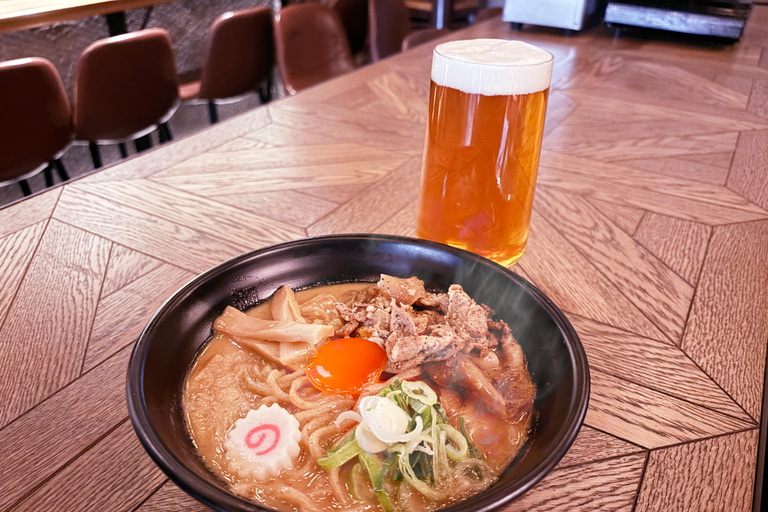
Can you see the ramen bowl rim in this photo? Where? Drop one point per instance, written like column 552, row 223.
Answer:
column 218, row 498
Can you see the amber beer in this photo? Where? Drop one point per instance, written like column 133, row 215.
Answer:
column 487, row 103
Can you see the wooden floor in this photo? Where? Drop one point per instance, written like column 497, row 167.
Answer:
column 650, row 231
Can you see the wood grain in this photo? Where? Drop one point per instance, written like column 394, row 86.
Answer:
column 159, row 238
column 30, row 211
column 625, row 217
column 679, row 167
column 576, row 286
column 278, row 136
column 609, row 485
column 653, row 364
column 592, row 445
column 369, row 209
column 659, row 293
column 17, row 250
column 751, row 153
column 649, row 418
column 680, row 244
column 52, row 321
column 699, row 202
column 728, row 327
column 41, row 442
column 210, row 217
column 122, row 315
column 661, row 108
column 115, row 487
column 236, row 153
column 397, row 136
column 170, row 498
column 719, row 469
column 299, row 209
column 758, row 98
column 125, row 266
column 148, row 163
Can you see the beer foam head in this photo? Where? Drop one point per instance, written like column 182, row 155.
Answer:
column 492, row 67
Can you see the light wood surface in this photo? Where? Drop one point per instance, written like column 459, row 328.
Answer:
column 650, row 230
column 24, row 14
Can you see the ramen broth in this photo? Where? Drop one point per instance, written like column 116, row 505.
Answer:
column 227, row 381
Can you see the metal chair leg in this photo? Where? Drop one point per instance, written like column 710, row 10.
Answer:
column 212, row 112
column 95, row 155
column 265, row 91
column 123, row 149
column 48, row 172
column 143, row 143
column 25, row 188
column 164, row 131
column 60, row 170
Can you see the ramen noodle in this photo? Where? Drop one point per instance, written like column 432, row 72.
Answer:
column 360, row 397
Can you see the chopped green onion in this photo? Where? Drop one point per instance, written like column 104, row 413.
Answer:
column 456, row 446
column 420, row 391
column 372, row 466
column 343, row 453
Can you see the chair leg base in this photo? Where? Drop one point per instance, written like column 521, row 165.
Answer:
column 48, row 173
column 95, row 155
column 213, row 113
column 25, row 188
column 61, row 170
column 164, row 132
column 143, row 143
column 123, row 149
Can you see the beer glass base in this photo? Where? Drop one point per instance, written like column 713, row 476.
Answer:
column 506, row 256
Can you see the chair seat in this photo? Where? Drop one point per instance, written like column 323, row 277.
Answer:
column 189, row 90
column 427, row 5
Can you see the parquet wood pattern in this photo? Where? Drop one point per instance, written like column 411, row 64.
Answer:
column 125, row 266
column 649, row 231
column 705, row 462
column 679, row 244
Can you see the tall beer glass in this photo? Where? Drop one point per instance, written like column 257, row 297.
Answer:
column 487, row 103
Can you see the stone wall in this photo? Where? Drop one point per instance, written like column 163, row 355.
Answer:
column 187, row 21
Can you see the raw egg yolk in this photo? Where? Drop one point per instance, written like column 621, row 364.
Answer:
column 346, row 365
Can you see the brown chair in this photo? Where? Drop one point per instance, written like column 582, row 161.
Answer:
column 239, row 54
column 35, row 121
column 388, row 24
column 310, row 45
column 125, row 87
column 461, row 12
column 353, row 15
column 418, row 37
column 488, row 13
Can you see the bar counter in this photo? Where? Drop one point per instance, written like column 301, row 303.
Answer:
column 650, row 231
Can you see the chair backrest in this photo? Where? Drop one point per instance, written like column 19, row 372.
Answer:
column 310, row 45
column 488, row 13
column 388, row 24
column 125, row 85
column 353, row 15
column 239, row 53
column 422, row 36
column 35, row 116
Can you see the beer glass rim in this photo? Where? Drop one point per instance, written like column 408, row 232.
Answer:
column 548, row 60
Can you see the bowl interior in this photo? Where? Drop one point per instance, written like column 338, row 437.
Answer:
column 170, row 342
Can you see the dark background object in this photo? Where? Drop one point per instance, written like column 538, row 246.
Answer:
column 716, row 18
column 174, row 336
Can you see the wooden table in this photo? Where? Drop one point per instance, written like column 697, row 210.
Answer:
column 650, row 231
column 25, row 14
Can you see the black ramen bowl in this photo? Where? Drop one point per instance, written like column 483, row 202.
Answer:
column 169, row 343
